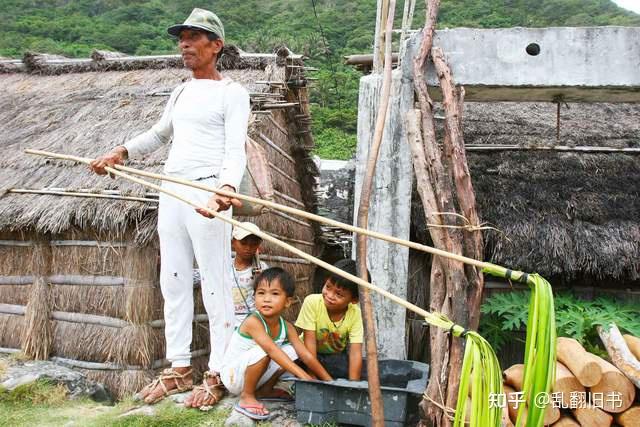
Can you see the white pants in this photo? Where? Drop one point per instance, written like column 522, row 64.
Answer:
column 184, row 233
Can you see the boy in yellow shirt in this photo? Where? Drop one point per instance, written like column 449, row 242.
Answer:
column 332, row 322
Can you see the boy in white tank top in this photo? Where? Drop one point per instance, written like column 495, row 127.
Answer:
column 265, row 345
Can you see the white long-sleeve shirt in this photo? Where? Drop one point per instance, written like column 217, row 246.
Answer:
column 207, row 120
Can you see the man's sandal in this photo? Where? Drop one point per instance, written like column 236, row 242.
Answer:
column 182, row 383
column 214, row 392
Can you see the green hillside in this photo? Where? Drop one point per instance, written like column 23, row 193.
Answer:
column 75, row 27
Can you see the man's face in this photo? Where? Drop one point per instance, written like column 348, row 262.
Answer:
column 197, row 50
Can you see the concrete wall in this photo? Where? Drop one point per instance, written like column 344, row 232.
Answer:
column 390, row 205
column 582, row 64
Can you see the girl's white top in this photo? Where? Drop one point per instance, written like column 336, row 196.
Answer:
column 207, row 121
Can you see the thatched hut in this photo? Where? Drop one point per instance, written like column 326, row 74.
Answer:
column 79, row 275
column 570, row 211
column 566, row 206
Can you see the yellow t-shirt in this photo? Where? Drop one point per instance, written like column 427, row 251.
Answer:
column 331, row 337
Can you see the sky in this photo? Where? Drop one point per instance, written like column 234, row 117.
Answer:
column 633, row 5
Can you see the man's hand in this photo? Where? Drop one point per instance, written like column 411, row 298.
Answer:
column 117, row 156
column 219, row 203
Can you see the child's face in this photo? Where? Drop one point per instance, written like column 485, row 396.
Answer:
column 271, row 299
column 246, row 248
column 335, row 297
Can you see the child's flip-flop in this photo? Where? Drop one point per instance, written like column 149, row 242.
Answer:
column 247, row 411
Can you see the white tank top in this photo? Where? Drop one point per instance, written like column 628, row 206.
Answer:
column 241, row 343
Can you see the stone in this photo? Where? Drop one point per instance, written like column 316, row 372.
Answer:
column 236, row 419
column 180, row 397
column 77, row 384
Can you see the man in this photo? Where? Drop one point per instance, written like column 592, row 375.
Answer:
column 206, row 118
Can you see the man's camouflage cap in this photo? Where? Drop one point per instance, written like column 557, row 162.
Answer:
column 200, row 19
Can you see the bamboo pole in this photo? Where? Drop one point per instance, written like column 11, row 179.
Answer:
column 432, row 318
column 82, row 194
column 514, row 275
column 373, row 376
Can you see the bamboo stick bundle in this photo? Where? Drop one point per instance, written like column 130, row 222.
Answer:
column 590, row 416
column 581, row 363
column 614, row 381
column 630, row 417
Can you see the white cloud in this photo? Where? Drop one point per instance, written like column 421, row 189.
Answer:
column 633, row 5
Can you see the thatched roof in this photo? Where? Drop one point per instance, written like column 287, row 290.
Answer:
column 571, row 216
column 85, row 107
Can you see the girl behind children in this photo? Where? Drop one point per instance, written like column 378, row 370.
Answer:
column 265, row 345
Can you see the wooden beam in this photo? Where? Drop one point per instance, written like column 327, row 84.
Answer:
column 275, row 147
column 561, row 148
column 20, row 243
column 365, row 59
column 289, row 199
column 14, row 309
column 90, row 319
column 290, row 218
column 85, row 280
column 284, row 259
column 289, row 239
column 196, row 318
column 15, row 280
column 278, row 125
column 283, row 173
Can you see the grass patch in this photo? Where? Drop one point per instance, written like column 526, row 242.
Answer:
column 45, row 404
column 36, row 393
column 167, row 414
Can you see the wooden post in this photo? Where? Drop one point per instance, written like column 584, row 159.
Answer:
column 373, row 378
column 444, row 186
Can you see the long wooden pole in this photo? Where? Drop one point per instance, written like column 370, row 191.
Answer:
column 502, row 271
column 375, row 393
column 263, row 235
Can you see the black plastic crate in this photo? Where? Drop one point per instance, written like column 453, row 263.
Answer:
column 347, row 402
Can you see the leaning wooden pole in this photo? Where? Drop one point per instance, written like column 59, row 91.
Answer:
column 375, row 393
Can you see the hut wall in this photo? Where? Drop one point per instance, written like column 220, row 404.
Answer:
column 102, row 305
column 280, row 142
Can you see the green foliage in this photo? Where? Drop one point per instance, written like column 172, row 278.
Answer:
column 75, row 27
column 507, row 312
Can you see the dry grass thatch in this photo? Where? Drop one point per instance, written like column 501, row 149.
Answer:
column 11, row 327
column 87, row 113
column 120, row 383
column 573, row 217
